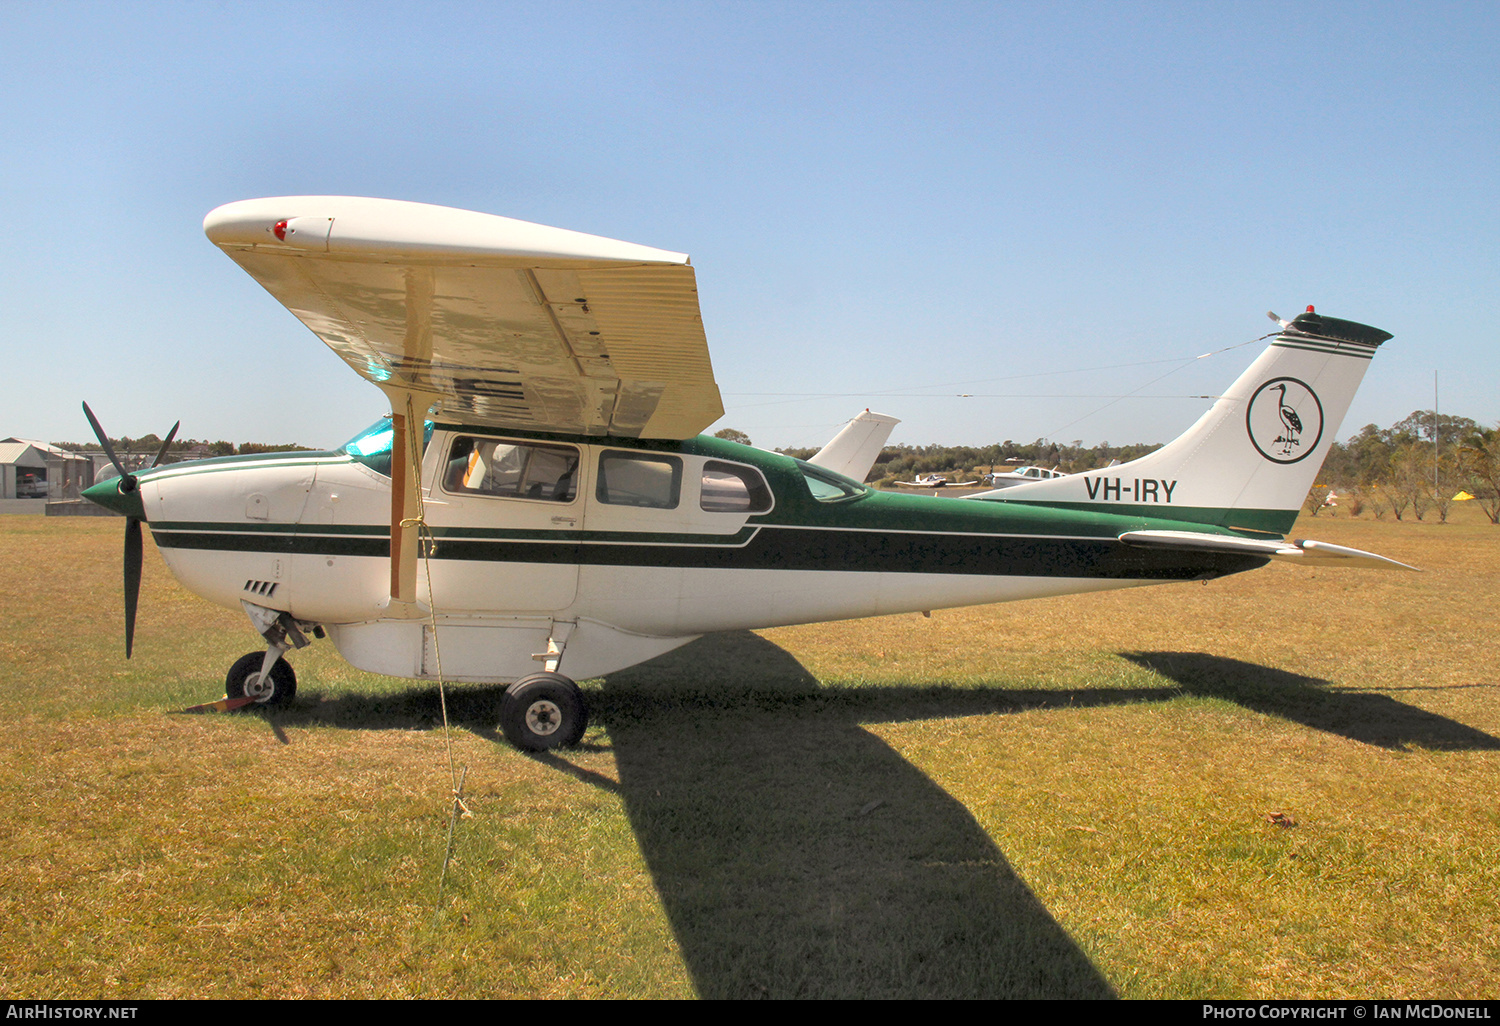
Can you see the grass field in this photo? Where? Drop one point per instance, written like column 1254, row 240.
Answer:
column 1066, row 797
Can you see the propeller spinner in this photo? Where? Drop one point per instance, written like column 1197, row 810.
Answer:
column 122, row 496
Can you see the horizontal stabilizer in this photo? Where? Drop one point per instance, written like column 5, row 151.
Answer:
column 1304, row 551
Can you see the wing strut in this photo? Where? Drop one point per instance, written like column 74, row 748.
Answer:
column 406, row 499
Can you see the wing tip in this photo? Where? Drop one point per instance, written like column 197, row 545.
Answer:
column 384, row 229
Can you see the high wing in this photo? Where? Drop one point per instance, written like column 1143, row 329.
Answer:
column 499, row 322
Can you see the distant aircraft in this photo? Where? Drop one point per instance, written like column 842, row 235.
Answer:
column 541, row 500
column 1025, row 475
column 935, row 481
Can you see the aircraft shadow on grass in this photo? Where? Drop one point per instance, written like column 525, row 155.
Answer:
column 791, row 881
column 798, row 855
column 749, row 788
column 1374, row 719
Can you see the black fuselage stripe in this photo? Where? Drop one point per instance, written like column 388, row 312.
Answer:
column 789, row 549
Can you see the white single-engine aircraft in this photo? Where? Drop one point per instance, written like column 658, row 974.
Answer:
column 541, row 501
column 1011, row 478
column 935, row 481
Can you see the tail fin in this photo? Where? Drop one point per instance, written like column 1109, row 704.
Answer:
column 853, row 450
column 1249, row 461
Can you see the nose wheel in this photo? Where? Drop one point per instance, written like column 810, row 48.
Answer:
column 247, row 678
column 543, row 711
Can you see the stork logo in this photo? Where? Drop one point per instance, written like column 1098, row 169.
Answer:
column 1284, row 420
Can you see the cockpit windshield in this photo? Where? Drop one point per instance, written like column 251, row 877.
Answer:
column 373, row 445
column 826, row 486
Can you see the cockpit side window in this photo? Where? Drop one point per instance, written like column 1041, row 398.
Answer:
column 516, row 470
column 373, row 445
column 826, row 486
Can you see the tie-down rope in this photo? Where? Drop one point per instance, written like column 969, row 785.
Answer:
column 425, row 545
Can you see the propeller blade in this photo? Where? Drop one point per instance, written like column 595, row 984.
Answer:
column 133, row 543
column 170, row 435
column 132, row 578
column 109, row 450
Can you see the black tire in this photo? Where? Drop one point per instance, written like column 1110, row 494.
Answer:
column 244, row 679
column 543, row 711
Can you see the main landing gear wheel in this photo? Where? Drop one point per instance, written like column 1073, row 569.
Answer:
column 244, row 681
column 543, row 711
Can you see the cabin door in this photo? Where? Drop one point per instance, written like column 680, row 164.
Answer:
column 506, row 516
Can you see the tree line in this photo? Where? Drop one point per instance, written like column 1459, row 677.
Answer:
column 183, row 448
column 1419, row 466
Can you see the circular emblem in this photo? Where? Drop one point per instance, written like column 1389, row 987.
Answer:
column 1284, row 420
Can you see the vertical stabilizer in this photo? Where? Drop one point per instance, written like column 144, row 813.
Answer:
column 853, row 451
column 1249, row 461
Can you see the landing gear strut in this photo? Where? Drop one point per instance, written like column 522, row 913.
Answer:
column 265, row 677
column 545, row 710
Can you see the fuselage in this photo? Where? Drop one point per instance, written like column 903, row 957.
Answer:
column 639, row 544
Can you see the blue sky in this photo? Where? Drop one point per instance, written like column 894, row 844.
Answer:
column 1031, row 203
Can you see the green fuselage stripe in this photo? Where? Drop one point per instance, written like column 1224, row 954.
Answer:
column 1255, row 522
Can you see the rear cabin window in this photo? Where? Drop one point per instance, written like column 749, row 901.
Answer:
column 729, row 488
column 639, row 479
column 516, row 470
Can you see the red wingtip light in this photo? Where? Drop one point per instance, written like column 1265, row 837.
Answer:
column 279, row 230
column 1309, row 305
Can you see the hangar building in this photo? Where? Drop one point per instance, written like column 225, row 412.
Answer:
column 35, row 470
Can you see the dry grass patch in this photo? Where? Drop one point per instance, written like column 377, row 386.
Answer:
column 1062, row 797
